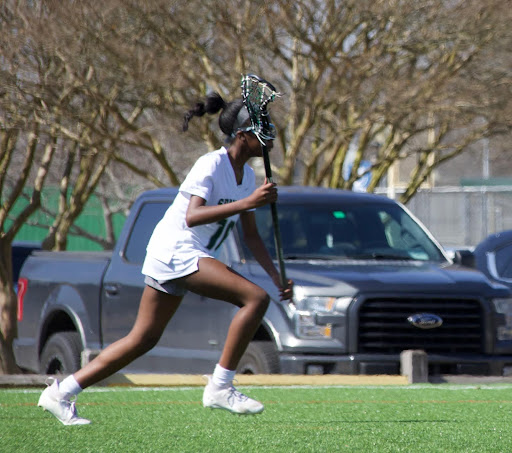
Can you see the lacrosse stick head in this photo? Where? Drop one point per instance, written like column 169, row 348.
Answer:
column 257, row 93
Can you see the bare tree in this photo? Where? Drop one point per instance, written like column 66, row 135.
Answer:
column 66, row 110
column 363, row 81
column 10, row 141
column 399, row 75
column 26, row 155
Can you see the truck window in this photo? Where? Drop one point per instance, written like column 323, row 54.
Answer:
column 404, row 235
column 147, row 218
column 347, row 231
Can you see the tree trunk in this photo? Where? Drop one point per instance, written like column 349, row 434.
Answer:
column 8, row 314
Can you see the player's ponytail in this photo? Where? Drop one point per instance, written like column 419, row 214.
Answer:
column 213, row 104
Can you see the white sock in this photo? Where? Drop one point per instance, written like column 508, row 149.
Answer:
column 222, row 377
column 70, row 386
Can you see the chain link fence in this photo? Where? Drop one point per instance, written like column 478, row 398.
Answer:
column 462, row 216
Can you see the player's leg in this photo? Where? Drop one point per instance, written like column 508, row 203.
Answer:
column 155, row 310
column 216, row 280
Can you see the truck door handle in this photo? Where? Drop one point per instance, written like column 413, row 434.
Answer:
column 111, row 289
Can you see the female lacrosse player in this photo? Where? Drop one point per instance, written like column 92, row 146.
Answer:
column 219, row 189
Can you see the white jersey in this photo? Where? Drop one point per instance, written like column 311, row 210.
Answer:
column 174, row 248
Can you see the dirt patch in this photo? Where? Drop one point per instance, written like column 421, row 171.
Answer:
column 178, row 380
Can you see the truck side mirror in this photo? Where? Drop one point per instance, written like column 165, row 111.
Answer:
column 464, row 258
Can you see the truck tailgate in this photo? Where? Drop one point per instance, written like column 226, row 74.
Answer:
column 59, row 282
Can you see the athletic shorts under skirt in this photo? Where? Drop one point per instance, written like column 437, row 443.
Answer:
column 172, row 287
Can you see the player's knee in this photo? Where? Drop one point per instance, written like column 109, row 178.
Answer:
column 149, row 342
column 145, row 342
column 261, row 301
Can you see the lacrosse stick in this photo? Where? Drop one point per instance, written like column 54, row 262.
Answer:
column 257, row 93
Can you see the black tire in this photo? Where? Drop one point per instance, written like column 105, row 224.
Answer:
column 61, row 354
column 260, row 357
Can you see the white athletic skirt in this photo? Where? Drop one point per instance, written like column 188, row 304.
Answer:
column 183, row 262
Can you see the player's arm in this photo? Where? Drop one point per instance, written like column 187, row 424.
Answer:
column 258, row 249
column 200, row 214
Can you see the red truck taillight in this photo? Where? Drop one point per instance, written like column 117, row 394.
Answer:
column 22, row 289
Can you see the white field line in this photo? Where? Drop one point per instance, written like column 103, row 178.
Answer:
column 436, row 387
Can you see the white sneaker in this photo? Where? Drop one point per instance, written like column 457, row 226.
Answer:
column 53, row 401
column 229, row 398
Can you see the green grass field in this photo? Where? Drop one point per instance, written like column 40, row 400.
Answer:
column 416, row 418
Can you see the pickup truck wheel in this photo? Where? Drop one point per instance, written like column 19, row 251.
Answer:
column 260, row 357
column 61, row 354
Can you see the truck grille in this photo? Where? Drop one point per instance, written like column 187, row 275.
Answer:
column 383, row 326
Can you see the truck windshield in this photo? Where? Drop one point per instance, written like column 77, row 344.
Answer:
column 355, row 231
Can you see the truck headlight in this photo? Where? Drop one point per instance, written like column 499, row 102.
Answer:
column 504, row 306
column 316, row 304
column 306, row 325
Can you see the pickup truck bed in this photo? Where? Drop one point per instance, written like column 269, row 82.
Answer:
column 65, row 290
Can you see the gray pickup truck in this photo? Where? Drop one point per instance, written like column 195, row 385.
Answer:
column 370, row 282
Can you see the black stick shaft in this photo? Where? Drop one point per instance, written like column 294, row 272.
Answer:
column 275, row 222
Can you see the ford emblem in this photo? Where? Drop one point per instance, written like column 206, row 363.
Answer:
column 425, row 320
